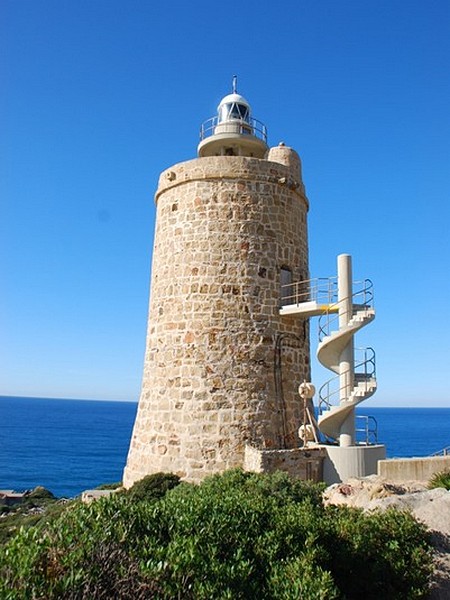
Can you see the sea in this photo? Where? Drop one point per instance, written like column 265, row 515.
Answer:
column 69, row 446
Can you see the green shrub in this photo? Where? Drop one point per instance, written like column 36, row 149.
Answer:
column 302, row 577
column 109, row 486
column 153, row 486
column 37, row 508
column 41, row 493
column 235, row 536
column 378, row 555
column 440, row 480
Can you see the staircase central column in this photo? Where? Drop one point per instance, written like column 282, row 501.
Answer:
column 346, row 362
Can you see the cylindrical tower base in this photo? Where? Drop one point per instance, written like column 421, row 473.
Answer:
column 221, row 367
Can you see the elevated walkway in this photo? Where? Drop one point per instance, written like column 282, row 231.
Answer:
column 308, row 309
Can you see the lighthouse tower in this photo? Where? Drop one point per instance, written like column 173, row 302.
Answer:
column 222, row 367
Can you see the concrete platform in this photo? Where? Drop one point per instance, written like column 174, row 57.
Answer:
column 341, row 463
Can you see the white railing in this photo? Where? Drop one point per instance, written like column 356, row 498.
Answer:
column 322, row 290
column 361, row 299
column 250, row 127
column 444, row 452
column 364, row 371
column 369, row 430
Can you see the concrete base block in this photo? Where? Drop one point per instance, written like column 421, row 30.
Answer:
column 341, row 463
column 89, row 496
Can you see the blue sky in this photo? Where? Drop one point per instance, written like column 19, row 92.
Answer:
column 99, row 96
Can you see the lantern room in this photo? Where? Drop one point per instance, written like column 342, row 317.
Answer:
column 233, row 131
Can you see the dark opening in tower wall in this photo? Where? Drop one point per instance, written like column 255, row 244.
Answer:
column 285, row 284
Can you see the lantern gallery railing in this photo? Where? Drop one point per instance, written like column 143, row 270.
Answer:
column 250, row 126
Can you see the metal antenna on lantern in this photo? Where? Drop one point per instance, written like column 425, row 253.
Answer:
column 234, row 84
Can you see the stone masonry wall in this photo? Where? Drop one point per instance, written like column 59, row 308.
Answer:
column 225, row 227
column 299, row 463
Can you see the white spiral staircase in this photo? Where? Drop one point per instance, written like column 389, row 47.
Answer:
column 337, row 401
column 343, row 312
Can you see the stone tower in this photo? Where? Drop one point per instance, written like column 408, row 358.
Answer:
column 222, row 368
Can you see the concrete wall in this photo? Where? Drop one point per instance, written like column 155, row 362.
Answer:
column 413, row 469
column 89, row 496
column 225, row 227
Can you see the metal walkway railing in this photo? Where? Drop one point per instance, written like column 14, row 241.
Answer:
column 369, row 430
column 364, row 372
column 250, row 127
column 444, row 452
column 361, row 299
column 322, row 290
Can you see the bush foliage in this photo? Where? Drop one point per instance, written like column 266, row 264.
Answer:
column 36, row 507
column 153, row 487
column 440, row 480
column 235, row 536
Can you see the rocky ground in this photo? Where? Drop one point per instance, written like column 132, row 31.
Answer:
column 432, row 507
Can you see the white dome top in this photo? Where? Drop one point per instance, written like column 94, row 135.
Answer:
column 234, row 107
column 231, row 98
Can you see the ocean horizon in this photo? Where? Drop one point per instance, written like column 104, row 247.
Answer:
column 69, row 446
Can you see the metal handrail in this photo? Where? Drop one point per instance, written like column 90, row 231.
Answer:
column 444, row 452
column 320, row 289
column 250, row 127
column 367, row 369
column 364, row 294
column 369, row 431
